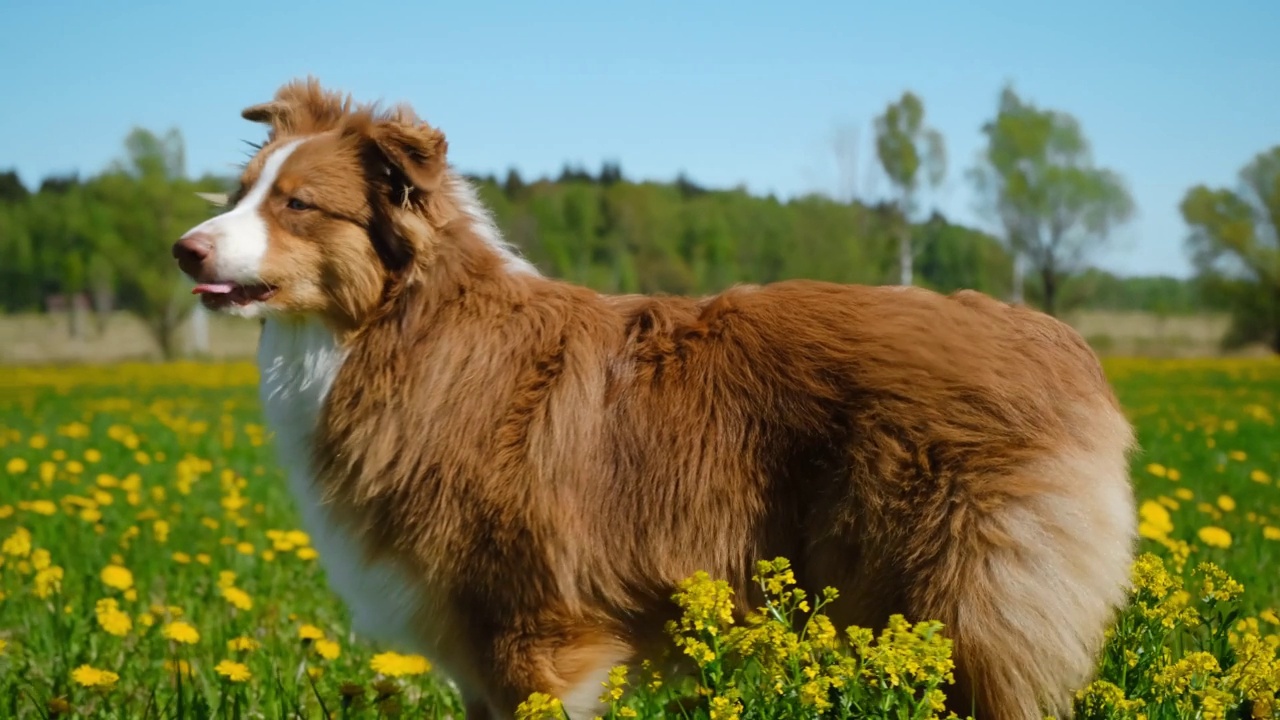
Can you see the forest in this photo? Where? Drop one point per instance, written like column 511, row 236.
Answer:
column 89, row 246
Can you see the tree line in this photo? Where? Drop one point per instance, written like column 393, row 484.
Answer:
column 89, row 246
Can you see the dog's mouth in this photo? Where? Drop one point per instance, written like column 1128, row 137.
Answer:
column 225, row 294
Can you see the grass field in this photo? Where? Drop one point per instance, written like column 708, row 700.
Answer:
column 152, row 566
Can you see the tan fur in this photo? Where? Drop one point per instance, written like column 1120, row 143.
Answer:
column 548, row 462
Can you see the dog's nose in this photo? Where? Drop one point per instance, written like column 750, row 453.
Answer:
column 191, row 250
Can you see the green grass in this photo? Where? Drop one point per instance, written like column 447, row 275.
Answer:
column 165, row 470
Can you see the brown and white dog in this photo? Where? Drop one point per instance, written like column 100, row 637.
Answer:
column 509, row 473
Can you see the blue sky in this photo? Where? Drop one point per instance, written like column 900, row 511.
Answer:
column 1170, row 93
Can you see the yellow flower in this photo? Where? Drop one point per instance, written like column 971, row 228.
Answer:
column 1226, row 502
column 233, row 671
column 243, row 644
column 92, row 677
column 48, row 581
column 328, row 649
column 181, row 558
column 43, row 507
column 16, row 466
column 18, row 544
column 1184, row 494
column 540, row 706
column 1157, row 469
column 111, row 618
column 180, row 631
column 1214, row 536
column 1156, row 523
column 1238, row 455
column 1271, row 533
column 237, row 597
column 92, row 455
column 244, row 548
column 117, row 576
column 394, row 664
column 1260, row 476
column 307, row 553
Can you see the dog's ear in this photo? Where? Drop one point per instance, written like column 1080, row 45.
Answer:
column 415, row 152
column 268, row 112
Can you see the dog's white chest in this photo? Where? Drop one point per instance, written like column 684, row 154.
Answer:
column 298, row 362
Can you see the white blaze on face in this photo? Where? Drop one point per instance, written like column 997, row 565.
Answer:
column 239, row 235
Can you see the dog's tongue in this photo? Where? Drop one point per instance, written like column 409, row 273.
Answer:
column 212, row 288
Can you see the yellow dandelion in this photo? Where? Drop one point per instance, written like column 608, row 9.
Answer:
column 243, row 644
column 1157, row 469
column 117, row 576
column 328, row 649
column 92, row 455
column 89, row 676
column 48, row 581
column 238, row 598
column 310, row 632
column 1271, row 533
column 181, row 558
column 233, row 671
column 1226, row 502
column 111, row 618
column 1214, row 536
column 43, row 507
column 16, row 466
column 18, row 544
column 180, row 631
column 245, row 548
column 393, row 664
column 307, row 553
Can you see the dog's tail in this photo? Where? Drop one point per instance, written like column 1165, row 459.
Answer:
column 1030, row 576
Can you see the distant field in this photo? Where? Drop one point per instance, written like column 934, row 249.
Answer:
column 43, row 339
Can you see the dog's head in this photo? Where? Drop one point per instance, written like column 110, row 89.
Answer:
column 339, row 200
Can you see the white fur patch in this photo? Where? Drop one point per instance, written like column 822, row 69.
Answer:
column 240, row 234
column 483, row 225
column 298, row 361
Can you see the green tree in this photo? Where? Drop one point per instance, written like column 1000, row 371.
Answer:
column 1235, row 245
column 904, row 145
column 148, row 203
column 1037, row 176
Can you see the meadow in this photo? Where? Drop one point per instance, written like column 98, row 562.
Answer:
column 151, row 565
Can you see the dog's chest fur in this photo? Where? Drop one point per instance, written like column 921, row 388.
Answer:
column 298, row 362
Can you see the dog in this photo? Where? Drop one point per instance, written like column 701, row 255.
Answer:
column 510, row 474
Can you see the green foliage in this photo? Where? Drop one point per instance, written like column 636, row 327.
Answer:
column 1038, row 179
column 1235, row 245
column 903, row 146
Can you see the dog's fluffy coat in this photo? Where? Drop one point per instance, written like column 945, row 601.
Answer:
column 518, row 470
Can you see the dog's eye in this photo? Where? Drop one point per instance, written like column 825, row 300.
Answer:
column 296, row 204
